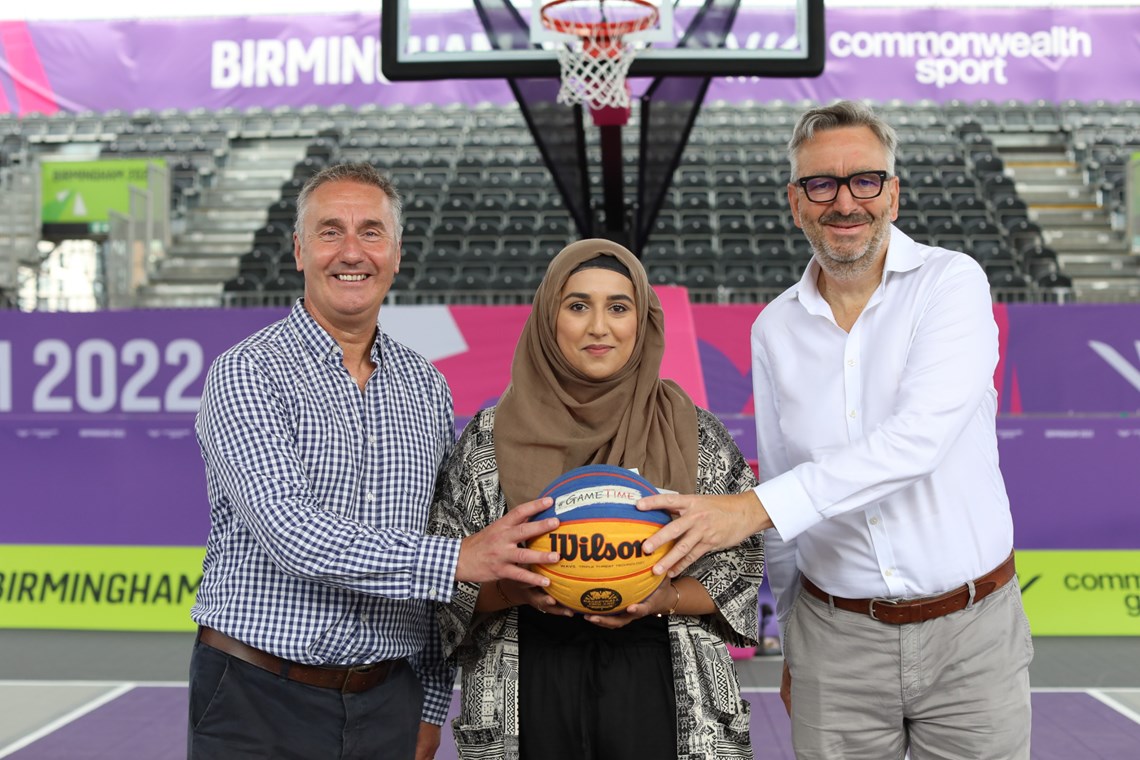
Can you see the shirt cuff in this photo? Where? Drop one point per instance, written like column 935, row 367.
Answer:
column 436, row 563
column 788, row 505
column 436, row 706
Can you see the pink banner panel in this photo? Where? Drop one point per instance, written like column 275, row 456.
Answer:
column 33, row 91
column 682, row 361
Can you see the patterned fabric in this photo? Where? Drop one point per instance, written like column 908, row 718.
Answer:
column 319, row 497
column 712, row 719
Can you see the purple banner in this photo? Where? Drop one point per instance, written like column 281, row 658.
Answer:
column 969, row 54
column 1079, row 359
column 1083, row 359
column 97, row 423
column 97, row 412
column 887, row 53
column 1073, row 482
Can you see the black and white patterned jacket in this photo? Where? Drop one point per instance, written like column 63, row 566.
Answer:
column 712, row 719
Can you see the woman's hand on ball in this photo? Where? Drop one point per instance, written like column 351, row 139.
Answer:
column 656, row 603
column 535, row 596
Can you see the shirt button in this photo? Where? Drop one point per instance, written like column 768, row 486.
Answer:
column 850, row 362
column 852, row 414
column 874, row 521
column 372, row 439
column 370, row 497
column 889, row 572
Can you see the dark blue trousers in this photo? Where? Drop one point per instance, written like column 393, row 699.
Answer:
column 241, row 712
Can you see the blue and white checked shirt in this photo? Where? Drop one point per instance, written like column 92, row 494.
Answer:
column 319, row 499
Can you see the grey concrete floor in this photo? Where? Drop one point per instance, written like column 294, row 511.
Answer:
column 1060, row 662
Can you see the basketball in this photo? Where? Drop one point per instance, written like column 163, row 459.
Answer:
column 603, row 569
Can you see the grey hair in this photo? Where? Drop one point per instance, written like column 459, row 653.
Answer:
column 362, row 172
column 844, row 113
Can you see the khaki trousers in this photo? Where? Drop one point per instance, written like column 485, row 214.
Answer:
column 951, row 688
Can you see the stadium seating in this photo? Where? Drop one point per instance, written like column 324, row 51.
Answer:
column 479, row 200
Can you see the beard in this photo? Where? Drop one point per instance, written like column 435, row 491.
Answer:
column 852, row 259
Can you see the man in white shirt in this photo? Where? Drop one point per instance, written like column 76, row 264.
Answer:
column 889, row 538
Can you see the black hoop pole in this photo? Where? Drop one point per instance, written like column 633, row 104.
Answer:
column 613, row 183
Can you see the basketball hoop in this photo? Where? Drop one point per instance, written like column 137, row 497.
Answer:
column 599, row 47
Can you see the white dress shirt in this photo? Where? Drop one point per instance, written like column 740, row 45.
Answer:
column 877, row 448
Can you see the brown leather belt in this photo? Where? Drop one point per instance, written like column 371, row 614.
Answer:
column 352, row 680
column 917, row 610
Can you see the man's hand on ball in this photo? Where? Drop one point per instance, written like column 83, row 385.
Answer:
column 702, row 524
column 494, row 552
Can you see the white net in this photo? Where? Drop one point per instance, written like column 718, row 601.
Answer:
column 595, row 76
column 598, row 40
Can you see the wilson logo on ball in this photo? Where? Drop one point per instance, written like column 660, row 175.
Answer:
column 603, row 568
column 593, row 548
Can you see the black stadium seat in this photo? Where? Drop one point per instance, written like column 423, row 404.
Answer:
column 490, row 199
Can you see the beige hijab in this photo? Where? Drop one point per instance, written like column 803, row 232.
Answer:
column 552, row 418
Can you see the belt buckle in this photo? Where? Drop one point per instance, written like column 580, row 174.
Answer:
column 358, row 670
column 879, row 600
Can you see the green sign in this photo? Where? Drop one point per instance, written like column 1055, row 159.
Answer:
column 1081, row 593
column 1132, row 195
column 144, row 588
column 84, row 192
column 99, row 588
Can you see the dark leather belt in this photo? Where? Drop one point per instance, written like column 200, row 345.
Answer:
column 352, row 680
column 917, row 610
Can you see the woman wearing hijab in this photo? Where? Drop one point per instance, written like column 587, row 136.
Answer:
column 655, row 681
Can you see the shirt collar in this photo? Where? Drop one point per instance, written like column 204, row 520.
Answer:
column 318, row 342
column 902, row 256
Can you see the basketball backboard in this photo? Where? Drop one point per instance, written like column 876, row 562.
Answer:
column 477, row 39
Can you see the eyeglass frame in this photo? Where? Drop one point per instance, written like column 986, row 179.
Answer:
column 883, row 176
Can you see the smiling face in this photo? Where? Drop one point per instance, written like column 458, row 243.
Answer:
column 596, row 325
column 348, row 250
column 849, row 236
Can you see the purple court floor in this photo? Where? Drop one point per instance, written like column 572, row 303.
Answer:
column 144, row 721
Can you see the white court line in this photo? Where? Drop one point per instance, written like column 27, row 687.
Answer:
column 59, row 723
column 1042, row 689
column 109, row 684
column 1108, row 701
column 1082, row 689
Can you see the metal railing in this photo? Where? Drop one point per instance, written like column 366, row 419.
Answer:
column 138, row 240
column 257, row 299
column 19, row 221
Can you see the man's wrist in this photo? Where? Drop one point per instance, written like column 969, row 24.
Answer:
column 755, row 514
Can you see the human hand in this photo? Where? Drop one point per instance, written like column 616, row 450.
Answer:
column 702, row 524
column 428, row 740
column 517, row 594
column 660, row 602
column 786, row 689
column 494, row 552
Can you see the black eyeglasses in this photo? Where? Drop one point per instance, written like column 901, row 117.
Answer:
column 823, row 188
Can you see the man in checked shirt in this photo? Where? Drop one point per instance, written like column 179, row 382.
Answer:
column 321, row 438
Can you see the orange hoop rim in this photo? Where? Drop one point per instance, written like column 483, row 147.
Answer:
column 600, row 30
